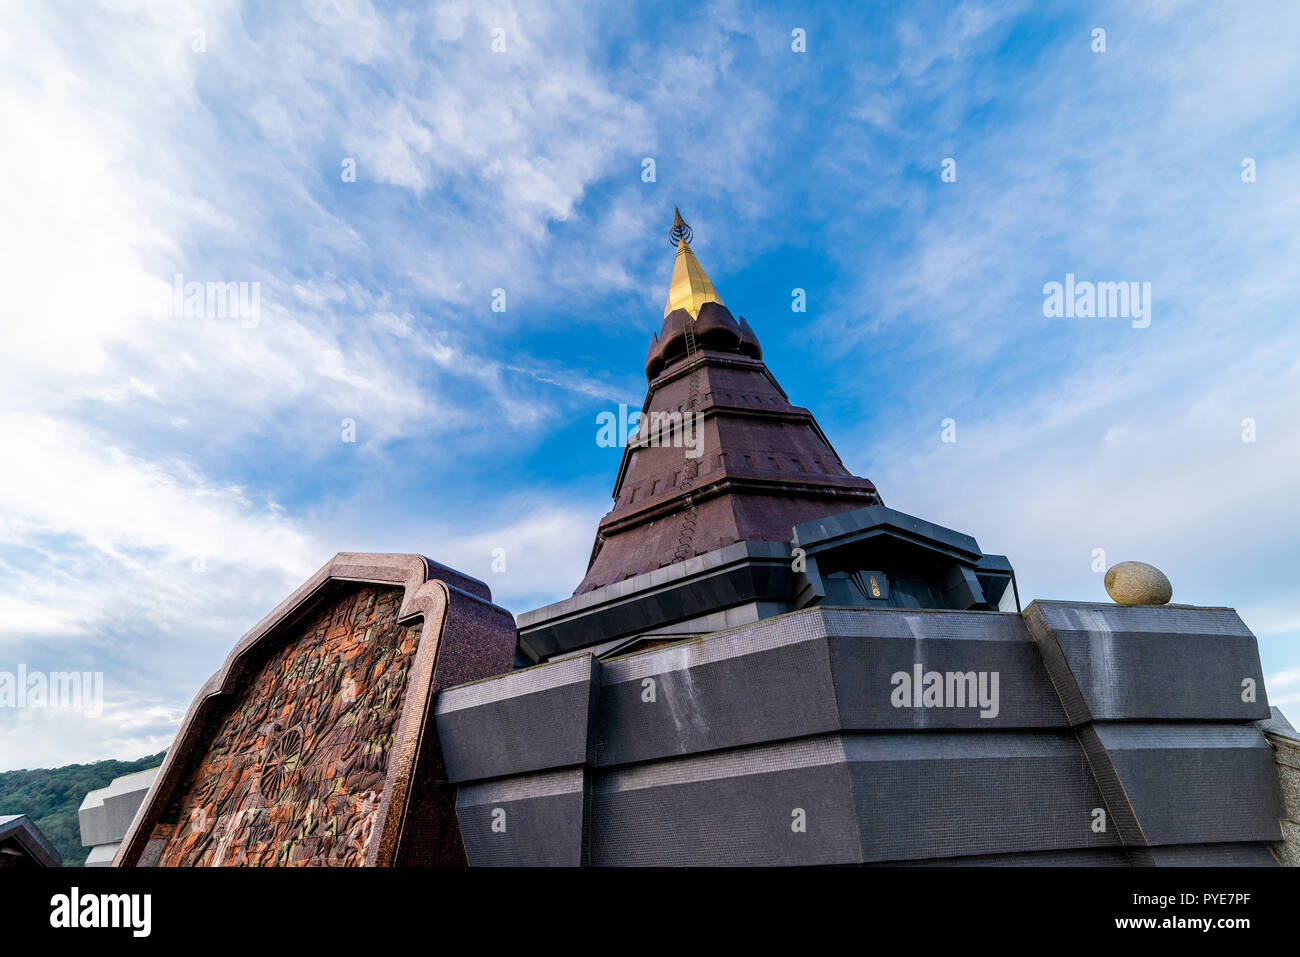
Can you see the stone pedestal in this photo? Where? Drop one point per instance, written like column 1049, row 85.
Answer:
column 106, row 814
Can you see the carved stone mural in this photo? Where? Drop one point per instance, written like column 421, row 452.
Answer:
column 314, row 743
column 296, row 767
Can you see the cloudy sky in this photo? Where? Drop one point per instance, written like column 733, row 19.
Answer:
column 168, row 478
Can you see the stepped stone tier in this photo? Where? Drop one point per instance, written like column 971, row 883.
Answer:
column 22, row 844
column 763, row 664
column 106, row 814
column 1116, row 736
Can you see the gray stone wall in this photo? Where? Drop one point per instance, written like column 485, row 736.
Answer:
column 106, row 814
column 1117, row 735
column 1286, row 750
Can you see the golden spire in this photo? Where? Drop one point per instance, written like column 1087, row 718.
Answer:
column 690, row 287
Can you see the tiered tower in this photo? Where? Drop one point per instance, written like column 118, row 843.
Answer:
column 728, row 459
column 731, row 505
column 766, row 665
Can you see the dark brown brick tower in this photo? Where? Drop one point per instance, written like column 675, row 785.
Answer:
column 763, row 465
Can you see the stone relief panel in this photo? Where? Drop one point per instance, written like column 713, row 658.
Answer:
column 297, row 766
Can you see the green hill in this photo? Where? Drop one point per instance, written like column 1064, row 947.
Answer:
column 51, row 796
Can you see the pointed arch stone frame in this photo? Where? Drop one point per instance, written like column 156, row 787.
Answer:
column 464, row 637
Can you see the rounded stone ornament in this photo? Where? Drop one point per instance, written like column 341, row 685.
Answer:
column 1137, row 583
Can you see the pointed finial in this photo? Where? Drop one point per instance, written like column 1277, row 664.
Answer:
column 690, row 287
column 680, row 231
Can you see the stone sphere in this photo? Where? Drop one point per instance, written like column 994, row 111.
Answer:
column 1137, row 583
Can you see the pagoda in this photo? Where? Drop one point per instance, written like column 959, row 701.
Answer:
column 755, row 516
column 763, row 664
column 764, row 465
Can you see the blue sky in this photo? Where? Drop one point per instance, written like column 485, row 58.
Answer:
column 169, row 479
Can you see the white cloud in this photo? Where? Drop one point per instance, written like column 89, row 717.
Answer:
column 140, row 442
column 121, row 506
